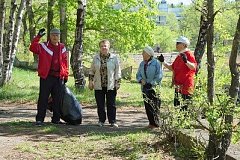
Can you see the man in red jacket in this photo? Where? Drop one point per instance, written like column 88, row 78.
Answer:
column 53, row 73
column 183, row 68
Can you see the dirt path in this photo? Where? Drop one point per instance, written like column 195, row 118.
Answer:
column 128, row 118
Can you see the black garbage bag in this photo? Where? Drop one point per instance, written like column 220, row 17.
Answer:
column 71, row 110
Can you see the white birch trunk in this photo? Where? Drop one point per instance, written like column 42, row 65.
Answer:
column 77, row 51
column 16, row 35
column 9, row 37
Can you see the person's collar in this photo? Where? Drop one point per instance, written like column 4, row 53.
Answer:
column 147, row 61
column 49, row 42
column 105, row 56
column 184, row 50
column 56, row 44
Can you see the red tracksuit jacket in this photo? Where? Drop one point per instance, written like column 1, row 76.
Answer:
column 45, row 53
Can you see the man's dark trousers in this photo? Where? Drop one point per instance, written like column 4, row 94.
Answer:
column 51, row 85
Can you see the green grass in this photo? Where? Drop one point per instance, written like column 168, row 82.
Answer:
column 139, row 144
column 18, row 127
column 54, row 142
column 109, row 146
column 24, row 87
column 69, row 142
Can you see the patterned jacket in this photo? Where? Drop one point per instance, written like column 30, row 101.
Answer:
column 113, row 71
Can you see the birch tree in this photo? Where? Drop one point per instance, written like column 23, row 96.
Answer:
column 2, row 20
column 16, row 34
column 11, row 41
column 77, row 51
column 202, row 35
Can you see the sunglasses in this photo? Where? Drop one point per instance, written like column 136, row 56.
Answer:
column 178, row 43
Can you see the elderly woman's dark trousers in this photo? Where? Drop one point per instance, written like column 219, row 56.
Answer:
column 185, row 97
column 51, row 85
column 152, row 105
column 110, row 97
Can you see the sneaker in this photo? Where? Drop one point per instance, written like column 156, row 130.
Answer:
column 114, row 125
column 100, row 124
column 39, row 123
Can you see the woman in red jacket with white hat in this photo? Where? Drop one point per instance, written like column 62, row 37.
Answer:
column 184, row 69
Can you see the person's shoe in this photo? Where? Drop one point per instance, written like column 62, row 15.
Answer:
column 100, row 124
column 39, row 123
column 114, row 125
column 57, row 122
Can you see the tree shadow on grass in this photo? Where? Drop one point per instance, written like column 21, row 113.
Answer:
column 19, row 121
column 131, row 120
column 52, row 132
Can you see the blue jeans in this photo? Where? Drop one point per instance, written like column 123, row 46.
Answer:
column 110, row 97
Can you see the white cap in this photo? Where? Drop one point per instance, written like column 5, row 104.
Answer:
column 183, row 40
column 149, row 50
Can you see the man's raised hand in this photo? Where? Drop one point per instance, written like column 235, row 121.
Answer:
column 41, row 32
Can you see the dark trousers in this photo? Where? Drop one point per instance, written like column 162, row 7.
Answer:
column 152, row 105
column 51, row 85
column 185, row 97
column 110, row 97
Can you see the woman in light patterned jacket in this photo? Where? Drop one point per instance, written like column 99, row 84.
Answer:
column 104, row 78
